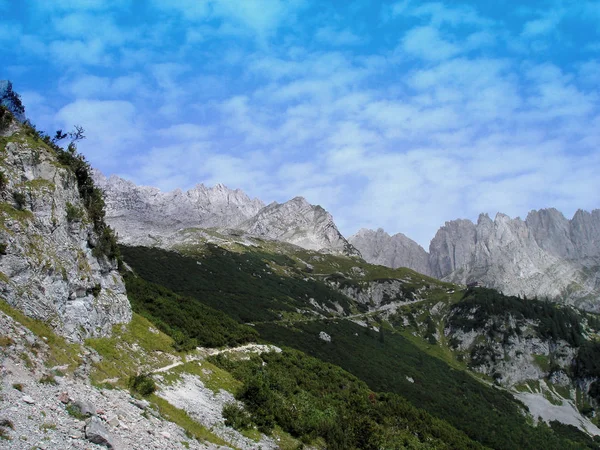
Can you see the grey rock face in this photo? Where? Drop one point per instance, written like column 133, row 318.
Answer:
column 10, row 100
column 299, row 223
column 378, row 247
column 544, row 256
column 136, row 212
column 47, row 269
column 147, row 216
column 96, row 432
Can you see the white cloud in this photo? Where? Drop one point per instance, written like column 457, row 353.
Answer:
column 112, row 128
column 427, row 43
column 81, row 5
column 75, row 52
column 339, row 37
column 545, row 24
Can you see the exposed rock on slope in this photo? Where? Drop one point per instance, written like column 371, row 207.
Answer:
column 300, row 223
column 138, row 211
column 545, row 256
column 47, row 266
column 378, row 247
column 147, row 216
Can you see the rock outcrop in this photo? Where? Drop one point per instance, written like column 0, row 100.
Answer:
column 545, row 255
column 378, row 247
column 48, row 266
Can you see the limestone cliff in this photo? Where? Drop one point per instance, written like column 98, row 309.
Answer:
column 378, row 247
column 48, row 266
column 544, row 256
column 142, row 214
column 300, row 223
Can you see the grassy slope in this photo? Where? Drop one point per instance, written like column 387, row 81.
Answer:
column 259, row 286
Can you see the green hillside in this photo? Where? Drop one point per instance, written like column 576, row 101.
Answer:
column 290, row 301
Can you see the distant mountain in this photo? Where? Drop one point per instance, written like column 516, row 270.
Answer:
column 145, row 215
column 378, row 247
column 300, row 223
column 546, row 255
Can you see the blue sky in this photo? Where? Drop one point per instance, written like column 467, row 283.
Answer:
column 400, row 115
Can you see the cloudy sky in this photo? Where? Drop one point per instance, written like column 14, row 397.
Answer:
column 400, row 115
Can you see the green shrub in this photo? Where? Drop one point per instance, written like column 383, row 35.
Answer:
column 237, row 417
column 5, row 118
column 20, row 199
column 3, row 246
column 74, row 411
column 3, row 181
column 74, row 214
column 142, row 384
column 95, row 291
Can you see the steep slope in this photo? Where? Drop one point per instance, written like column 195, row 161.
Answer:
column 56, row 260
column 544, row 256
column 362, row 317
column 300, row 223
column 378, row 247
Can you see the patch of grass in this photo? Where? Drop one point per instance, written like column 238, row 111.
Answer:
column 213, row 377
column 48, row 378
column 18, row 386
column 8, row 210
column 6, row 341
column 61, row 352
column 75, row 412
column 132, row 347
column 47, row 426
column 178, row 416
column 542, row 362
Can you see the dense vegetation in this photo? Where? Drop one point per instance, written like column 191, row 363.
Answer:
column 244, row 285
column 487, row 415
column 250, row 287
column 311, row 399
column 480, row 305
column 189, row 322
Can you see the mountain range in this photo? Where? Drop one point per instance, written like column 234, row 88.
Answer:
column 544, row 256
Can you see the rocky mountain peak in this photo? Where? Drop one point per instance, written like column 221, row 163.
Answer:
column 300, row 223
column 378, row 247
column 141, row 215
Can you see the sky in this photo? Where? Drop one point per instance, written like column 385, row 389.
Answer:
column 400, row 115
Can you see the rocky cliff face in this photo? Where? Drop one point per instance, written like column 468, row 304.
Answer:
column 378, row 247
column 299, row 223
column 47, row 266
column 147, row 216
column 544, row 256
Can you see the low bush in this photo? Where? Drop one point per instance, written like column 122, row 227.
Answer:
column 142, row 384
